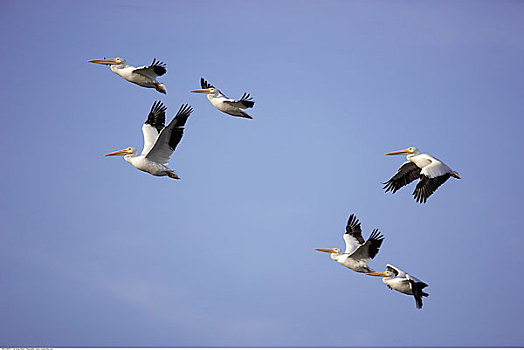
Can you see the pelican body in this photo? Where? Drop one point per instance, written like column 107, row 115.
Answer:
column 223, row 103
column 430, row 172
column 358, row 252
column 143, row 76
column 402, row 282
column 159, row 141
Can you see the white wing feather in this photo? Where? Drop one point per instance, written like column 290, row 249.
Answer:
column 435, row 169
column 150, row 136
column 147, row 71
column 161, row 152
column 351, row 244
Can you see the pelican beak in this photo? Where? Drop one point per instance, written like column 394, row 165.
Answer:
column 327, row 250
column 380, row 274
column 202, row 91
column 122, row 152
column 404, row 151
column 104, row 61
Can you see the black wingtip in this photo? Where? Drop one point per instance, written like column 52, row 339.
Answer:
column 418, row 302
column 353, row 221
column 204, row 84
column 158, row 107
column 247, row 100
column 158, row 67
column 376, row 235
column 185, row 109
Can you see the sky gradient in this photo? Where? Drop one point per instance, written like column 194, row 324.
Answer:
column 96, row 253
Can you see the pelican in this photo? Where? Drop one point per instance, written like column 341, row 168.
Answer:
column 430, row 171
column 144, row 76
column 357, row 251
column 225, row 104
column 159, row 141
column 402, row 282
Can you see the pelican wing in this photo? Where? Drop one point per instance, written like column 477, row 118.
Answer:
column 244, row 102
column 416, row 287
column 432, row 177
column 156, row 69
column 155, row 122
column 353, row 235
column 395, row 270
column 170, row 136
column 369, row 250
column 407, row 173
column 205, row 85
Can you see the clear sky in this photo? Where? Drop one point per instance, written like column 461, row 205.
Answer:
column 96, row 253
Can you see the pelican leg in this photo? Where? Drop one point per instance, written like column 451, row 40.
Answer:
column 245, row 115
column 172, row 174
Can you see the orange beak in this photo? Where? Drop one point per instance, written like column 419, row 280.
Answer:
column 104, row 61
column 403, row 151
column 122, row 152
column 327, row 250
column 202, row 91
column 380, row 274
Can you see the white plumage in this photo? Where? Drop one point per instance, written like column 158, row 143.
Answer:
column 403, row 282
column 223, row 103
column 358, row 252
column 144, row 76
column 430, row 172
column 159, row 141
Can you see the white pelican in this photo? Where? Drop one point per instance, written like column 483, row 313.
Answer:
column 144, row 76
column 159, row 141
column 430, row 171
column 225, row 104
column 357, row 251
column 402, row 282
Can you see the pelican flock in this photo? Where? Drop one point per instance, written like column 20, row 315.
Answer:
column 160, row 142
column 430, row 172
column 224, row 104
column 358, row 252
column 144, row 76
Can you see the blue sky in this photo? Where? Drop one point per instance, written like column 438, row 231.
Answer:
column 95, row 253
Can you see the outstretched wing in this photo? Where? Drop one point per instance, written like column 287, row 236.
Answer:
column 369, row 250
column 244, row 102
column 170, row 136
column 416, row 288
column 407, row 173
column 154, row 124
column 353, row 235
column 156, row 69
column 427, row 185
column 432, row 177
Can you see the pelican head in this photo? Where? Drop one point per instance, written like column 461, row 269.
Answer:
column 409, row 151
column 455, row 175
column 124, row 152
column 109, row 61
column 334, row 252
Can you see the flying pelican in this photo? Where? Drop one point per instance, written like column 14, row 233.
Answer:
column 402, row 282
column 430, row 171
column 357, row 251
column 144, row 76
column 225, row 104
column 159, row 141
